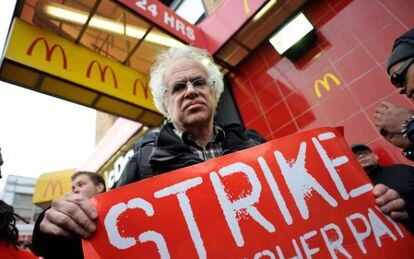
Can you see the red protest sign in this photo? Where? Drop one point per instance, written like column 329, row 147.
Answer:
column 303, row 195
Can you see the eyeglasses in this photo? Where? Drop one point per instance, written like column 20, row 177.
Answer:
column 398, row 77
column 198, row 83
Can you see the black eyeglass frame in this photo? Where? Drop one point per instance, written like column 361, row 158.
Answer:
column 398, row 77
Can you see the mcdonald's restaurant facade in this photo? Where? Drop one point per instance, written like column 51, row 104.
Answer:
column 338, row 81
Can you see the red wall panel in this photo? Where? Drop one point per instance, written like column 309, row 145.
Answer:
column 277, row 97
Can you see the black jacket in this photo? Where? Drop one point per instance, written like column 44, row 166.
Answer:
column 52, row 247
column 155, row 153
column 162, row 152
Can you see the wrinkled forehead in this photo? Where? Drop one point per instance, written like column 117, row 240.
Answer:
column 183, row 69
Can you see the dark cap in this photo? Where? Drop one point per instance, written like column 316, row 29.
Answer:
column 403, row 49
column 359, row 147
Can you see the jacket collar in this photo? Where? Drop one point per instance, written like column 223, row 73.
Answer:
column 171, row 153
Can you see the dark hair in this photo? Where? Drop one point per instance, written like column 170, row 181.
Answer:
column 8, row 230
column 95, row 177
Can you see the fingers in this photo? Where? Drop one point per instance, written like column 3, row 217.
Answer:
column 390, row 202
column 384, row 195
column 379, row 117
column 47, row 227
column 85, row 204
column 399, row 215
column 379, row 111
column 388, row 104
column 73, row 211
column 379, row 190
column 71, row 214
column 394, row 205
column 60, row 224
column 378, row 123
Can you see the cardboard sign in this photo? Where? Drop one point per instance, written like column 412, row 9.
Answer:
column 303, row 195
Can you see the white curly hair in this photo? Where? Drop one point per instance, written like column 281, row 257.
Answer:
column 165, row 58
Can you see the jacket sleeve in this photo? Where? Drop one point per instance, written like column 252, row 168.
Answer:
column 50, row 246
column 39, row 241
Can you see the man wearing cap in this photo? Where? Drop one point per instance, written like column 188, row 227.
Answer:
column 399, row 64
column 397, row 123
column 398, row 177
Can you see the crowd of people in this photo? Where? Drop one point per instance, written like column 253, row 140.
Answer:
column 186, row 85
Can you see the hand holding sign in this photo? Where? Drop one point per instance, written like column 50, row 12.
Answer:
column 302, row 195
column 390, row 202
column 72, row 214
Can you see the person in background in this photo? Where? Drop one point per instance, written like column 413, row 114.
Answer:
column 186, row 86
column 398, row 177
column 85, row 185
column 396, row 123
column 9, row 234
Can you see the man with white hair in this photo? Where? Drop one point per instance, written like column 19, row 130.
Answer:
column 186, row 85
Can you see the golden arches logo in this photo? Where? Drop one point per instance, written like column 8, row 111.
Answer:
column 143, row 86
column 325, row 83
column 102, row 72
column 49, row 50
column 53, row 186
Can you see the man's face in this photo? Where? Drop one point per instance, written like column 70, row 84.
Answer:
column 408, row 85
column 366, row 158
column 85, row 186
column 193, row 105
column 1, row 163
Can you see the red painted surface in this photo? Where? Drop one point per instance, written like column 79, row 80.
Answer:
column 224, row 22
column 277, row 97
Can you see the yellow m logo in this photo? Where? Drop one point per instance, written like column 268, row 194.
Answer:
column 53, row 186
column 325, row 83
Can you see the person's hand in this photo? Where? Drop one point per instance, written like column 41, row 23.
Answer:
column 396, row 139
column 390, row 202
column 391, row 117
column 72, row 215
